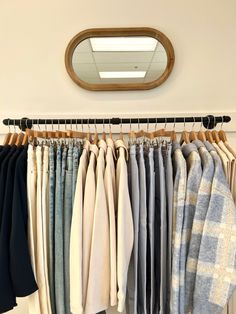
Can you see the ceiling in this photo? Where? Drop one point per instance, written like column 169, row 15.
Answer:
column 88, row 63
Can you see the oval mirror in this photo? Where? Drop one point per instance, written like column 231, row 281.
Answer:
column 119, row 58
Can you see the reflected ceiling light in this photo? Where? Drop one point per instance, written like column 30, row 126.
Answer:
column 122, row 74
column 123, row 43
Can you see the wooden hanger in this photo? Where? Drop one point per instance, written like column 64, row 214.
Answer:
column 221, row 133
column 7, row 136
column 201, row 134
column 121, row 135
column 13, row 137
column 215, row 136
column 209, row 136
column 193, row 134
column 184, row 136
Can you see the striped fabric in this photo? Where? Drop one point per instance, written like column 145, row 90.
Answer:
column 216, row 264
column 180, row 178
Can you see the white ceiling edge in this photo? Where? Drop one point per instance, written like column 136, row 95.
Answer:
column 229, row 127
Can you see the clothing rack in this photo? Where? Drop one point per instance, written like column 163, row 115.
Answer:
column 209, row 122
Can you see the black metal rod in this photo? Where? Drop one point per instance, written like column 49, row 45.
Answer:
column 209, row 121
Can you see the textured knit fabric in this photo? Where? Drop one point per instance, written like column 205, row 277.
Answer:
column 110, row 189
column 98, row 290
column 33, row 299
column 180, row 180
column 88, row 217
column 125, row 232
column 231, row 158
column 133, row 176
column 216, row 270
column 194, row 175
column 76, row 302
column 203, row 199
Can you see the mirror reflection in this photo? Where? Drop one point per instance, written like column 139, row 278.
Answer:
column 107, row 60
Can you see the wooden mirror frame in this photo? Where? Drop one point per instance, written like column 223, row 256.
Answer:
column 124, row 32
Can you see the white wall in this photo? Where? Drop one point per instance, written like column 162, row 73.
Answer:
column 34, row 35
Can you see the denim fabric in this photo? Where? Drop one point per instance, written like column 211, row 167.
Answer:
column 160, row 232
column 151, row 229
column 142, row 246
column 59, row 265
column 51, row 217
column 148, row 254
column 133, row 176
column 166, row 152
column 76, row 156
column 162, row 198
column 67, row 224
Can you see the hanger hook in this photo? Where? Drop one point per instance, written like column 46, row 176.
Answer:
column 156, row 125
column 9, row 126
column 103, row 125
column 121, row 125
column 184, row 124
column 193, row 123
column 52, row 125
column 209, row 120
column 214, row 122
column 95, row 125
column 38, row 125
column 88, row 125
column 21, row 124
column 138, row 125
column 165, row 123
column 110, row 125
column 174, row 124
column 58, row 125
column 222, row 122
column 201, row 124
column 65, row 124
column 147, row 125
column 26, row 123
column 45, row 124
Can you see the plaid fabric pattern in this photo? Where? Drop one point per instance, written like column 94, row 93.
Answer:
column 180, row 178
column 216, row 265
column 194, row 169
column 203, row 200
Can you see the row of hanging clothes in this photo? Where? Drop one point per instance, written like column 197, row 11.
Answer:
column 89, row 222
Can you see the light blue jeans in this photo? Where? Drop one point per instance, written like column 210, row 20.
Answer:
column 67, row 224
column 51, row 226
column 59, row 241
column 76, row 156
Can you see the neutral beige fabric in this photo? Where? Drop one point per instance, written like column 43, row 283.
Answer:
column 40, row 267
column 125, row 232
column 110, row 188
column 88, row 216
column 76, row 300
column 224, row 160
column 233, row 187
column 45, row 216
column 34, row 305
column 231, row 158
column 98, row 290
